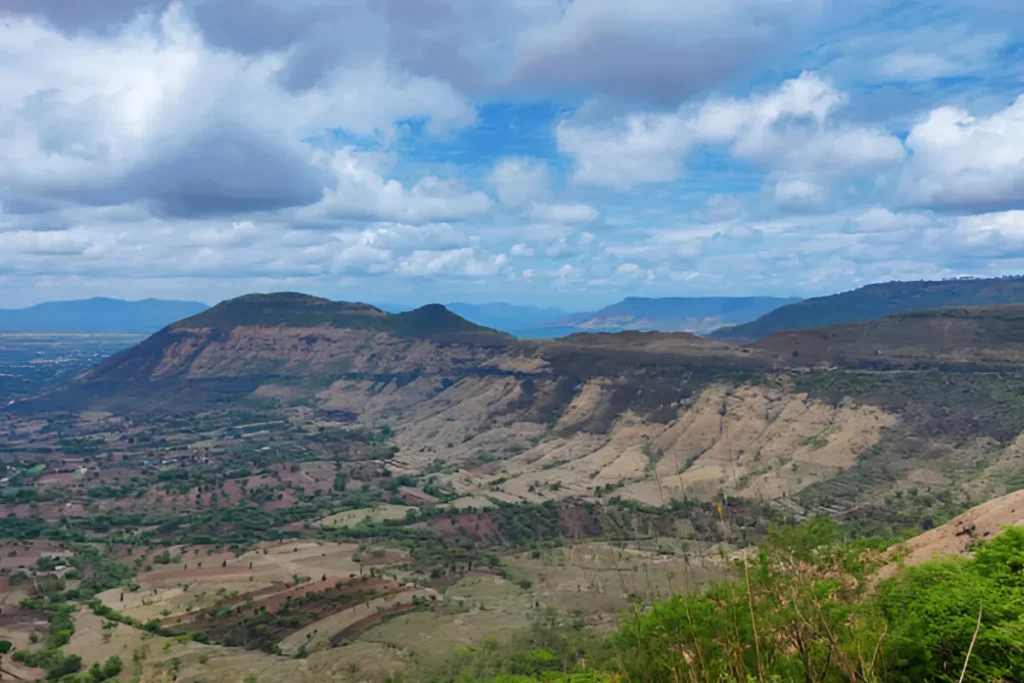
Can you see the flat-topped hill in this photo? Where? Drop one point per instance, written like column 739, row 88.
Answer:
column 877, row 301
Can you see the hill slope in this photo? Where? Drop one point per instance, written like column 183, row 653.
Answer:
column 958, row 536
column 672, row 314
column 239, row 345
column 876, row 301
column 977, row 336
column 98, row 315
column 639, row 415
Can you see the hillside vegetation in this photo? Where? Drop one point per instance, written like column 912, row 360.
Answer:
column 805, row 607
column 878, row 300
column 974, row 336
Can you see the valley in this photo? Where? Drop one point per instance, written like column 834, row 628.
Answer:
column 296, row 489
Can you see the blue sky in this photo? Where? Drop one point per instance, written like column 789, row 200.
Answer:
column 567, row 152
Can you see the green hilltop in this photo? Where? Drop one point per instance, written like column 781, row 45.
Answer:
column 292, row 309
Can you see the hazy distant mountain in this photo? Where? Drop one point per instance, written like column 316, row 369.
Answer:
column 879, row 300
column 506, row 317
column 671, row 314
column 98, row 315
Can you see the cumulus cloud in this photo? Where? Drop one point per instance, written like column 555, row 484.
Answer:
column 153, row 113
column 165, row 147
column 790, row 130
column 519, row 180
column 969, row 163
column 466, row 262
column 360, row 193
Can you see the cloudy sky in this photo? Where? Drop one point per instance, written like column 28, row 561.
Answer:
column 561, row 151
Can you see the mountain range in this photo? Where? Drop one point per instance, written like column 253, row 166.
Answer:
column 810, row 416
column 742, row 319
column 97, row 315
column 877, row 301
column 700, row 315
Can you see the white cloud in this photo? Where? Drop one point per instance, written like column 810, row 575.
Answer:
column 789, row 130
column 360, row 193
column 563, row 213
column 964, row 162
column 1001, row 228
column 522, row 250
column 799, row 194
column 642, row 148
column 519, row 180
column 151, row 112
column 568, row 272
column 930, row 52
column 362, row 258
column 465, row 262
column 879, row 219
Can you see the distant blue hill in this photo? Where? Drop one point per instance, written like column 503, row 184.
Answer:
column 699, row 315
column 98, row 315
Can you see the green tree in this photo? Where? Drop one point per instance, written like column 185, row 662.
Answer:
column 5, row 648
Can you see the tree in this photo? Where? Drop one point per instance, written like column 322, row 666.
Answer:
column 5, row 647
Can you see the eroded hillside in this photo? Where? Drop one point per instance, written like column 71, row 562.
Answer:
column 650, row 417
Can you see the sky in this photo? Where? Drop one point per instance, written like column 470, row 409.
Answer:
column 547, row 152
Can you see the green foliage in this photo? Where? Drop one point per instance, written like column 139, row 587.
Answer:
column 554, row 646
column 800, row 609
column 933, row 609
column 53, row 661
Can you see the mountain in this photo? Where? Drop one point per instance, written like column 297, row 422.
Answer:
column 835, row 420
column 668, row 314
column 975, row 336
column 878, row 300
column 97, row 315
column 294, row 310
column 509, row 318
column 241, row 344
